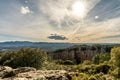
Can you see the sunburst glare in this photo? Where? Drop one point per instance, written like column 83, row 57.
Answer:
column 78, row 8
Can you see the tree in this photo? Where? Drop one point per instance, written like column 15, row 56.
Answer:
column 30, row 57
column 100, row 58
column 96, row 59
column 115, row 60
column 115, row 56
column 77, row 58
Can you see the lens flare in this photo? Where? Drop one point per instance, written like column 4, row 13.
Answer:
column 78, row 9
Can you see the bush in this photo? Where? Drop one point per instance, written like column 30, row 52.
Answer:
column 76, row 76
column 52, row 66
column 115, row 56
column 115, row 61
column 92, row 78
column 104, row 68
column 66, row 62
column 86, row 68
column 96, row 59
column 30, row 57
column 86, row 62
column 100, row 58
column 116, row 73
column 99, row 76
column 83, row 76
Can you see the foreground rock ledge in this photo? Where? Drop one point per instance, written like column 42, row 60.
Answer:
column 28, row 73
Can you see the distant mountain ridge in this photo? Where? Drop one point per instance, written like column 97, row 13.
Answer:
column 43, row 45
column 49, row 46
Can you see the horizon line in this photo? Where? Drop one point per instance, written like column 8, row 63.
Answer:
column 64, row 42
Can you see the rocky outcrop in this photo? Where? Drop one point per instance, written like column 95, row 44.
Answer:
column 6, row 71
column 24, row 69
column 28, row 73
column 43, row 75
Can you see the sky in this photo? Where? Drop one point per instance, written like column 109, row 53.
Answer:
column 60, row 20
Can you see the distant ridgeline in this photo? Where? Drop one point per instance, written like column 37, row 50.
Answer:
column 25, row 44
column 48, row 46
column 82, row 52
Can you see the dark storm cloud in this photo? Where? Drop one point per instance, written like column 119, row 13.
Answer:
column 57, row 37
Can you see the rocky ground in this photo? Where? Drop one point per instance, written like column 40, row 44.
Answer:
column 28, row 73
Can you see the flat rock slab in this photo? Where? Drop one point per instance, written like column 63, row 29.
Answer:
column 39, row 75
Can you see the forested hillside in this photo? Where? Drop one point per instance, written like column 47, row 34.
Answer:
column 82, row 52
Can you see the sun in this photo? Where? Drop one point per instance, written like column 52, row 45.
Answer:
column 78, row 9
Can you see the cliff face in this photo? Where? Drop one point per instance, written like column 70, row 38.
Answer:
column 80, row 53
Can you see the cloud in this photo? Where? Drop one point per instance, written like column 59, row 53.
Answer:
column 57, row 37
column 55, row 16
column 59, row 11
column 25, row 10
column 91, row 32
column 9, row 37
column 113, row 36
column 26, row 1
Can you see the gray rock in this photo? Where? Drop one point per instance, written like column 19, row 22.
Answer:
column 6, row 71
column 28, row 73
column 24, row 69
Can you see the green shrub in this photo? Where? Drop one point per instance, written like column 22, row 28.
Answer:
column 86, row 62
column 30, row 57
column 83, row 76
column 103, row 78
column 100, row 58
column 115, row 56
column 92, row 78
column 86, row 68
column 66, row 62
column 52, row 66
column 116, row 73
column 74, row 77
column 96, row 59
column 104, row 68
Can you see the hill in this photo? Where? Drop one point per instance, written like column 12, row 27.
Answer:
column 23, row 44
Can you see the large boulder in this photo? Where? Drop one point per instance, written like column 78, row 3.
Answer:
column 6, row 71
